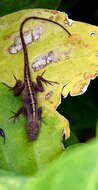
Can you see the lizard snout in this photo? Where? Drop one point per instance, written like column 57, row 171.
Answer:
column 32, row 130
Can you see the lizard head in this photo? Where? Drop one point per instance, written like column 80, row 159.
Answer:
column 32, row 130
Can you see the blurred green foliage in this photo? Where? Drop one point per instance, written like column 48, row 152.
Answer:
column 7, row 6
column 75, row 169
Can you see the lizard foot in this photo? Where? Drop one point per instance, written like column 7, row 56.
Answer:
column 17, row 114
column 17, row 88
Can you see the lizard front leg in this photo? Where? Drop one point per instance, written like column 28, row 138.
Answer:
column 39, row 86
column 17, row 88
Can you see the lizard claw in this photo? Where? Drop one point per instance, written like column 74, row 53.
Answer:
column 43, row 73
column 15, row 78
column 17, row 114
column 14, row 116
column 47, row 81
column 10, row 88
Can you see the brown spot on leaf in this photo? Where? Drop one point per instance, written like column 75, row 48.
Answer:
column 51, row 17
column 57, row 18
column 51, row 11
column 88, row 75
column 51, row 102
column 76, row 39
column 54, row 11
column 8, row 36
column 48, row 95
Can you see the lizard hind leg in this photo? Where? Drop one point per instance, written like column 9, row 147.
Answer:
column 17, row 88
column 17, row 114
column 39, row 115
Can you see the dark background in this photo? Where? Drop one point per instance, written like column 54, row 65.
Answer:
column 81, row 111
column 80, row 10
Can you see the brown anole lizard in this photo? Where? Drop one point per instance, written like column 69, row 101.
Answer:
column 29, row 89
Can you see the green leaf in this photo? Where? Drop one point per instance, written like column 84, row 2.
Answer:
column 73, row 60
column 10, row 180
column 18, row 154
column 75, row 169
column 75, row 66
